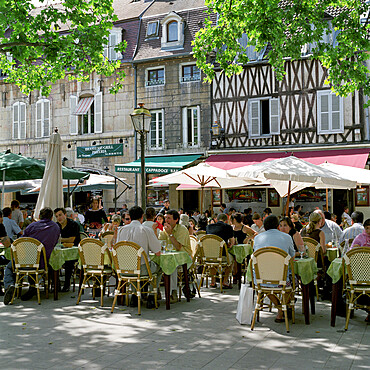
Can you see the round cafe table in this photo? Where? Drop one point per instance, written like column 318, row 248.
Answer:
column 332, row 253
column 168, row 262
column 58, row 257
column 335, row 271
column 240, row 252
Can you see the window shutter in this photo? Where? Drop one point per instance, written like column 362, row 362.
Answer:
column 323, row 111
column 112, row 45
column 105, row 51
column 160, row 130
column 38, row 118
column 185, row 127
column 73, row 118
column 15, row 120
column 335, row 112
column 197, row 126
column 22, row 121
column 274, row 117
column 98, row 113
column 46, row 118
column 254, row 118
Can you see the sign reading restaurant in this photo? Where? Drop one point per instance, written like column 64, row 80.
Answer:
column 137, row 169
column 108, row 150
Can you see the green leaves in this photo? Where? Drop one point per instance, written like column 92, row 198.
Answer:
column 333, row 35
column 39, row 46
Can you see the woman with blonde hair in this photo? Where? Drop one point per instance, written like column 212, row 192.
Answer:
column 312, row 230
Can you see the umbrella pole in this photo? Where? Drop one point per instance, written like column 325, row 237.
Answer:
column 211, row 201
column 201, row 199
column 288, row 199
column 327, row 200
column 115, row 195
column 3, row 192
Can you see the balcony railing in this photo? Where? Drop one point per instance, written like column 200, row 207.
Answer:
column 154, row 83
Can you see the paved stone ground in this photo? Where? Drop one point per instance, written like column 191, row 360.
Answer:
column 202, row 334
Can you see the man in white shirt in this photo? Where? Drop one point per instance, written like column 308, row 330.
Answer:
column 357, row 218
column 330, row 228
column 149, row 216
column 143, row 236
column 257, row 223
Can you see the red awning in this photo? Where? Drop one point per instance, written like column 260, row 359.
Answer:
column 83, row 105
column 346, row 157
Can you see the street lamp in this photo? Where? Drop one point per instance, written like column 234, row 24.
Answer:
column 141, row 119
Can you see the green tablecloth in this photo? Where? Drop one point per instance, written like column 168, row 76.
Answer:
column 169, row 261
column 335, row 270
column 240, row 251
column 305, row 268
column 332, row 253
column 60, row 255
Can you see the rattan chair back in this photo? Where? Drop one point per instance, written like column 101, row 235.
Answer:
column 313, row 247
column 212, row 247
column 200, row 233
column 91, row 253
column 357, row 261
column 107, row 237
column 271, row 266
column 127, row 257
column 342, row 246
column 194, row 244
column 27, row 252
column 83, row 235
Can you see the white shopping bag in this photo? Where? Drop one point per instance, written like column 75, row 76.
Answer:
column 244, row 312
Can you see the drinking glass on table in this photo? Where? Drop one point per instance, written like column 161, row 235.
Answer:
column 163, row 245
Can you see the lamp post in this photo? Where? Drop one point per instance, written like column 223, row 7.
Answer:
column 141, row 119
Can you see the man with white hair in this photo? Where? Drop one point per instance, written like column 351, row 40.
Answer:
column 330, row 228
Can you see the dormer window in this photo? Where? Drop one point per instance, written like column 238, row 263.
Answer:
column 152, row 29
column 172, row 32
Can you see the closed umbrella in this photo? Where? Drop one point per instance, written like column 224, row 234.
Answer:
column 291, row 174
column 51, row 192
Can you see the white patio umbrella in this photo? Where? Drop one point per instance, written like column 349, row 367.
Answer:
column 291, row 174
column 51, row 191
column 204, row 176
column 360, row 175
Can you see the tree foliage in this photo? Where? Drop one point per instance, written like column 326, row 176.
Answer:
column 287, row 26
column 40, row 45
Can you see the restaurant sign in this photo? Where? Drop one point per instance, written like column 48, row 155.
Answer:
column 137, row 169
column 108, row 150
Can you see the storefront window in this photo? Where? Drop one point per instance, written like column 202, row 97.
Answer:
column 156, row 195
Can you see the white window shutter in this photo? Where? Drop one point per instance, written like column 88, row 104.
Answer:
column 274, row 117
column 22, row 121
column 46, row 118
column 254, row 118
column 335, row 112
column 197, row 130
column 322, row 112
column 185, row 127
column 39, row 118
column 112, row 45
column 15, row 120
column 98, row 113
column 73, row 118
column 105, row 51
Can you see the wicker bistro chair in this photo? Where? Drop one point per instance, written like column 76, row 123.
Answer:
column 107, row 237
column 193, row 270
column 25, row 256
column 92, row 252
column 127, row 257
column 314, row 251
column 83, row 235
column 342, row 246
column 200, row 233
column 211, row 248
column 357, row 262
column 271, row 265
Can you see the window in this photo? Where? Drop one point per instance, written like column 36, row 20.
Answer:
column 152, row 29
column 156, row 134
column 114, row 38
column 191, row 126
column 19, row 120
column 263, row 117
column 329, row 113
column 43, row 123
column 155, row 77
column 189, row 73
column 172, row 34
column 86, row 114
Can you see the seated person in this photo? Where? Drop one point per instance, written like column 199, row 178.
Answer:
column 222, row 229
column 47, row 232
column 272, row 237
column 70, row 233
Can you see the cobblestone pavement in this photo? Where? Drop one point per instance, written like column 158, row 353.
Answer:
column 202, row 334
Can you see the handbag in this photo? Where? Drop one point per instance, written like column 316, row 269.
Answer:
column 244, row 312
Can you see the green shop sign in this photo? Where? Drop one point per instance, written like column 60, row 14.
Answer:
column 109, row 150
